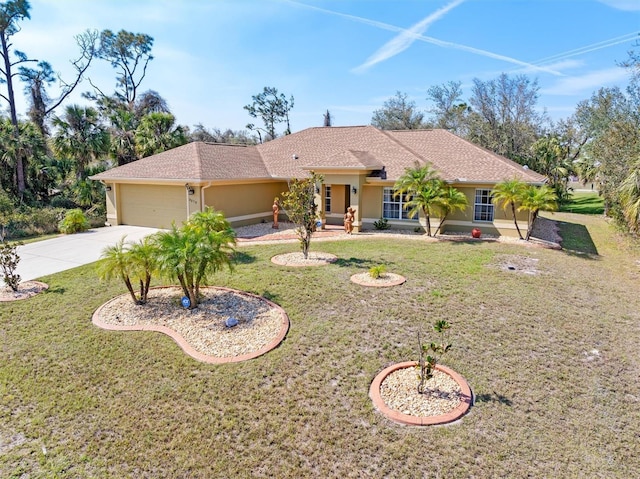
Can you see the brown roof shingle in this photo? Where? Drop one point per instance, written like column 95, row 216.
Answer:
column 353, row 147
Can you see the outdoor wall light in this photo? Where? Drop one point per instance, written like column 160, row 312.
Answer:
column 354, row 190
column 317, row 190
column 108, row 188
column 190, row 190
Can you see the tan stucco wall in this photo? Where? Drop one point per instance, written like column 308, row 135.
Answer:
column 154, row 206
column 247, row 203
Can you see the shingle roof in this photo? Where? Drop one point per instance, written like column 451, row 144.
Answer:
column 197, row 161
column 353, row 147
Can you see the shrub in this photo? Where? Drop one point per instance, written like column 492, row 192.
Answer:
column 381, row 224
column 9, row 260
column 33, row 222
column 427, row 365
column 74, row 222
column 376, row 271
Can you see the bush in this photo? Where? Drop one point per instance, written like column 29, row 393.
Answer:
column 74, row 222
column 34, row 222
column 376, row 271
column 381, row 224
column 9, row 262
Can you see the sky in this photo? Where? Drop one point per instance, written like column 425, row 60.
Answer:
column 345, row 56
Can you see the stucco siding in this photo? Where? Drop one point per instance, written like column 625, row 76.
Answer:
column 244, row 204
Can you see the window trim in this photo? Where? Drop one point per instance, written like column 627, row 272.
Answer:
column 483, row 208
column 389, row 192
column 327, row 198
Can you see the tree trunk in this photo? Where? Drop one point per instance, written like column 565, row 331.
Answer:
column 515, row 221
column 20, row 164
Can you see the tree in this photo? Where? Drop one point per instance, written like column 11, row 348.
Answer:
column 299, row 203
column 503, row 116
column 192, row 253
column 37, row 80
column 398, row 113
column 273, row 108
column 550, row 159
column 156, row 133
column 129, row 53
column 421, row 187
column 630, row 200
column 117, row 262
column 216, row 135
column 449, row 200
column 507, row 194
column 11, row 13
column 535, row 199
column 80, row 136
column 449, row 110
column 142, row 259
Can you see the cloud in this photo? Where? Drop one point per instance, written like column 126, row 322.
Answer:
column 627, row 5
column 587, row 83
column 405, row 38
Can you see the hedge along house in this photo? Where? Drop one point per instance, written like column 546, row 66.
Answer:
column 360, row 165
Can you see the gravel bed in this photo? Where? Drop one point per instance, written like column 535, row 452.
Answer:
column 26, row 290
column 298, row 259
column 385, row 279
column 203, row 328
column 399, row 391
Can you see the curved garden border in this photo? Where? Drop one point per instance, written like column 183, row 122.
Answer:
column 459, row 411
column 368, row 281
column 186, row 347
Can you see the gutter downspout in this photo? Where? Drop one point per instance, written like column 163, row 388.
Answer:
column 202, row 205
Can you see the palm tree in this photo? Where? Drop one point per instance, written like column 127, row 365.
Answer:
column 507, row 194
column 450, row 199
column 80, row 136
column 116, row 262
column 630, row 199
column 536, row 199
column 143, row 263
column 192, row 253
column 421, row 187
column 157, row 133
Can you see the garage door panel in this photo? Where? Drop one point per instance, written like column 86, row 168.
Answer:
column 152, row 206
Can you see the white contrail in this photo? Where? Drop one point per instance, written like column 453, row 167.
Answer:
column 405, row 38
column 422, row 38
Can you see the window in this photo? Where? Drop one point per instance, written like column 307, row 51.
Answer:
column 483, row 207
column 393, row 206
column 327, row 199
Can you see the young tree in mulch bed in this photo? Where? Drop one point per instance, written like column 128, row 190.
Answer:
column 299, row 203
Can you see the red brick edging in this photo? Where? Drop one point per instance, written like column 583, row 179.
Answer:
column 398, row 281
column 186, row 347
column 378, row 402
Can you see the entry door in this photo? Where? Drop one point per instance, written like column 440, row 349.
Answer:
column 347, row 197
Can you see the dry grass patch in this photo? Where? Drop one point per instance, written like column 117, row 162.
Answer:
column 133, row 405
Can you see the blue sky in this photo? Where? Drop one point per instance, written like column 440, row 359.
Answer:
column 347, row 56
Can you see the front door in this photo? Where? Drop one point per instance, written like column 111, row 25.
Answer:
column 347, row 197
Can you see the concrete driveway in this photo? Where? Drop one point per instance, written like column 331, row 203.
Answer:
column 69, row 251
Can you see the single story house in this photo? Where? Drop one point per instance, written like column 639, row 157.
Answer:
column 360, row 165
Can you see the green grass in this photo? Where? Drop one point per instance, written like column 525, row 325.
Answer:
column 132, row 404
column 586, row 203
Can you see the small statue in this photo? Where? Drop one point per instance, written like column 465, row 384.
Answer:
column 276, row 210
column 349, row 217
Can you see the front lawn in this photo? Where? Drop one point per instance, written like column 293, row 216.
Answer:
column 550, row 350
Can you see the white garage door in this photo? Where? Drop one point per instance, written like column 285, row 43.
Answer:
column 152, row 206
